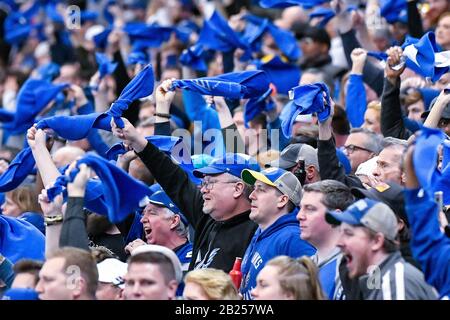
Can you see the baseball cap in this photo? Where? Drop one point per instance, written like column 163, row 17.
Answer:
column 294, row 152
column 161, row 198
column 20, row 294
column 390, row 193
column 445, row 113
column 285, row 181
column 112, row 271
column 164, row 251
column 232, row 163
column 368, row 213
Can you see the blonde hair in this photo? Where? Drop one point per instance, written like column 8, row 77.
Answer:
column 298, row 277
column 216, row 284
column 376, row 106
column 25, row 198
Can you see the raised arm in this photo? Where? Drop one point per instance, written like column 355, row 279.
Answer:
column 391, row 114
column 169, row 175
column 73, row 231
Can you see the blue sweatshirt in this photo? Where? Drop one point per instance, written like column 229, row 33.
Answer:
column 355, row 100
column 430, row 247
column 281, row 238
column 184, row 254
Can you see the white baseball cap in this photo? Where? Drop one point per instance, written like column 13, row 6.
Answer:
column 112, row 271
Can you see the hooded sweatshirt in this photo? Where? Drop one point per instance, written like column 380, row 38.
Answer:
column 280, row 238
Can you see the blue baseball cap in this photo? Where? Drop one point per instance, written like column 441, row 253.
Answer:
column 232, row 163
column 285, row 181
column 368, row 213
column 20, row 294
column 160, row 198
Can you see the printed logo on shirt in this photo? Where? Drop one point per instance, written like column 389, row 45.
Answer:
column 205, row 264
column 256, row 260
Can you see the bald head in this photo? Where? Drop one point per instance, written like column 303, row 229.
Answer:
column 66, row 155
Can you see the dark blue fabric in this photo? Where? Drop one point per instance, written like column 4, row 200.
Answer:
column 105, row 65
column 6, row 116
column 325, row 13
column 101, row 39
column 234, row 85
column 163, row 143
column 288, row 3
column 33, row 97
column 35, row 219
column 140, row 86
column 18, row 170
column 425, row 163
column 285, row 40
column 138, row 57
column 283, row 75
column 19, row 239
column 49, row 71
column 143, row 35
column 193, row 58
column 428, row 95
column 391, row 9
column 216, row 34
column 255, row 106
column 122, row 193
column 426, row 50
column 307, row 99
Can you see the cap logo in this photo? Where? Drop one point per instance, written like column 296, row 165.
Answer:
column 171, row 205
column 270, row 170
column 361, row 205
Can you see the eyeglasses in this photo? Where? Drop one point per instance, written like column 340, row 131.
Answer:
column 443, row 123
column 209, row 184
column 352, row 148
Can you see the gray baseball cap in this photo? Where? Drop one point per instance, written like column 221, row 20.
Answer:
column 293, row 153
column 368, row 213
column 445, row 113
column 283, row 180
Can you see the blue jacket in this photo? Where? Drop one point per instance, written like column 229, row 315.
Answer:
column 329, row 275
column 430, row 247
column 281, row 238
column 184, row 254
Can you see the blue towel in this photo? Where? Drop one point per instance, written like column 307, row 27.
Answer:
column 122, row 193
column 18, row 170
column 325, row 13
column 163, row 143
column 19, row 239
column 140, row 86
column 194, row 57
column 257, row 105
column 217, row 35
column 33, row 97
column 234, row 85
column 105, row 65
column 423, row 56
column 307, row 99
column 425, row 163
column 307, row 4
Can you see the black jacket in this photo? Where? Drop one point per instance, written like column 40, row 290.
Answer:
column 391, row 113
column 329, row 165
column 216, row 243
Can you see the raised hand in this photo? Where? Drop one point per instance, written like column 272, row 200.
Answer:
column 129, row 135
column 77, row 187
column 394, row 67
column 50, row 208
column 358, row 56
